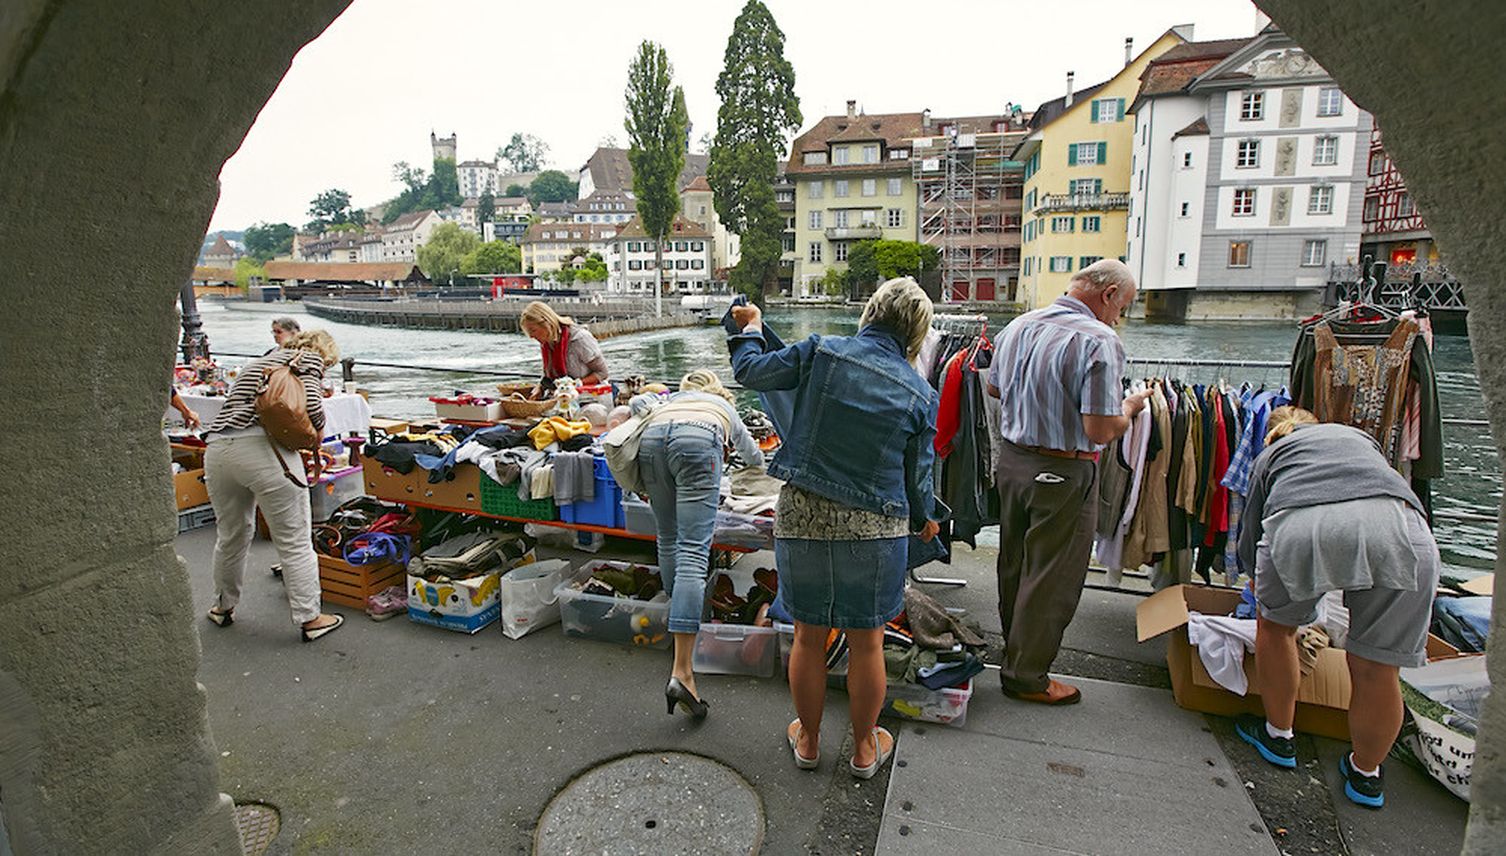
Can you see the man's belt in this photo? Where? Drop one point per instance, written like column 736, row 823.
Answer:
column 1059, row 453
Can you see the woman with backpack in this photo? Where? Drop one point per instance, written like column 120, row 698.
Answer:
column 244, row 468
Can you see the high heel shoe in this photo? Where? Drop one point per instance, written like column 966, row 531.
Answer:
column 675, row 694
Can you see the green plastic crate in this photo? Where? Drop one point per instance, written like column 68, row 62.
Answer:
column 503, row 500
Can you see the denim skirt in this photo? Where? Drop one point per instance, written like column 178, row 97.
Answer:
column 850, row 584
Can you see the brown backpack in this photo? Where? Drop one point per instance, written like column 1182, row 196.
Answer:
column 282, row 409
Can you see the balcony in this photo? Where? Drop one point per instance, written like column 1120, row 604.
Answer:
column 1053, row 202
column 860, row 232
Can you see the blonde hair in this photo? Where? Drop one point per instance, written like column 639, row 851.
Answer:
column 539, row 314
column 902, row 306
column 318, row 341
column 1284, row 420
column 703, row 380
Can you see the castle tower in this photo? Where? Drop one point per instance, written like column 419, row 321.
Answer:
column 444, row 147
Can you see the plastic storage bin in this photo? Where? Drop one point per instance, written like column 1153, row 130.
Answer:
column 605, row 509
column 736, row 649
column 946, row 706
column 637, row 517
column 750, row 531
column 467, row 408
column 502, row 499
column 637, row 623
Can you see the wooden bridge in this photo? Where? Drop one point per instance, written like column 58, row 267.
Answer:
column 605, row 318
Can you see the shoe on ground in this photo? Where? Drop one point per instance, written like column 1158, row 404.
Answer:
column 387, row 603
column 1279, row 751
column 1056, row 694
column 1362, row 790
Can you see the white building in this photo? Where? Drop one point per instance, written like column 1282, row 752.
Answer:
column 403, row 236
column 477, row 177
column 1249, row 177
column 550, row 246
column 687, row 259
column 697, row 204
column 371, row 245
column 604, row 207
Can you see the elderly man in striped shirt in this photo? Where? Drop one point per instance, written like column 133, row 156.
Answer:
column 1058, row 374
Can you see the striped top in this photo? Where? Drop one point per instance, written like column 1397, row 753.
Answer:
column 239, row 412
column 1051, row 366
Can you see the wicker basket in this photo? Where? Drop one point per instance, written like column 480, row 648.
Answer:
column 516, row 387
column 522, row 408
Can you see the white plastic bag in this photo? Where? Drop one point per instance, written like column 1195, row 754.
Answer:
column 527, row 596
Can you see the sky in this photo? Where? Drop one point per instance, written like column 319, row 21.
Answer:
column 368, row 91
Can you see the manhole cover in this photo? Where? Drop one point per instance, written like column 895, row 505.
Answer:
column 259, row 824
column 654, row 803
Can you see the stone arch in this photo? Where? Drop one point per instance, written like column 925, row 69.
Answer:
column 111, row 124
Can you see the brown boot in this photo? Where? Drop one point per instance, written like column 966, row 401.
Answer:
column 1056, row 694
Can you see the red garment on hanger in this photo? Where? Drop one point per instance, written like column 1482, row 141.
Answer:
column 949, row 412
column 1218, row 505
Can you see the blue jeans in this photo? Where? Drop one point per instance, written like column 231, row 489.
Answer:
column 681, row 465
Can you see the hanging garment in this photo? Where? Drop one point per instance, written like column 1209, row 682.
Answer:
column 1137, row 441
column 1148, row 532
column 963, row 487
column 948, row 411
column 1364, row 385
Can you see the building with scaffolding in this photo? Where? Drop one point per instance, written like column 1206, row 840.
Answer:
column 969, row 194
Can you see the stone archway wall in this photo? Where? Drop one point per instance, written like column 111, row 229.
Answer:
column 115, row 119
column 1431, row 75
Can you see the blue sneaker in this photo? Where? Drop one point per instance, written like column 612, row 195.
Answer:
column 1277, row 750
column 1367, row 791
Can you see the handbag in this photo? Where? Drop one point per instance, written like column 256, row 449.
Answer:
column 282, row 409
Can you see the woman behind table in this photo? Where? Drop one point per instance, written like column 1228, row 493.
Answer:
column 1327, row 513
column 245, row 470
column 283, row 329
column 857, row 472
column 684, row 444
column 568, row 349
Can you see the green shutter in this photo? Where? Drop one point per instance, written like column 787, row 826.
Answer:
column 1069, row 263
column 1071, row 154
column 1093, row 112
column 1121, row 109
column 1098, row 182
column 1103, row 152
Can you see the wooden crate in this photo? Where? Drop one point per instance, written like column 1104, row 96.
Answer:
column 350, row 585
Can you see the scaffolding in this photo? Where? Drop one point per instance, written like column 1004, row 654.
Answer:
column 969, row 196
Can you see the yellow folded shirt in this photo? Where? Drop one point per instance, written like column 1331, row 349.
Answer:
column 555, row 429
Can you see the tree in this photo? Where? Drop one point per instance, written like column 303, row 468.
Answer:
column 834, row 282
column 486, row 208
column 551, row 185
column 332, row 208
column 423, row 191
column 759, row 110
column 515, row 190
column 524, row 153
column 862, row 267
column 656, row 124
column 493, row 257
column 448, row 245
column 869, row 262
column 266, row 241
column 246, row 268
column 594, row 269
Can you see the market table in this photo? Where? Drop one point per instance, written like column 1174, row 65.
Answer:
column 345, row 413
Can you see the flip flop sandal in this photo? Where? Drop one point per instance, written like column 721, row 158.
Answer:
column 317, row 632
column 879, row 757
column 221, row 619
column 792, row 734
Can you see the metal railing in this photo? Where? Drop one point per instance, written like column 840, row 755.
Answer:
column 1082, row 202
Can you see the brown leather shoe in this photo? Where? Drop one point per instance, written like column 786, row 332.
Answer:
column 1056, row 694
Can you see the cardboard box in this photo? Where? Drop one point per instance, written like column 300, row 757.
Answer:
column 463, row 493
column 1322, row 696
column 464, row 605
column 349, row 585
column 189, row 489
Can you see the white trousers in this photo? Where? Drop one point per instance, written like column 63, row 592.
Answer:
column 243, row 473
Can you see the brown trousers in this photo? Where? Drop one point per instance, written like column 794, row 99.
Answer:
column 1047, row 514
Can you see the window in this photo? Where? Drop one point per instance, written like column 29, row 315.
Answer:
column 1186, row 206
column 894, row 218
column 1108, row 109
column 1372, row 208
column 840, row 187
column 1314, row 253
column 869, row 217
column 682, row 264
column 839, row 155
column 632, row 246
column 815, row 219
column 1377, row 163
column 870, row 187
column 1092, row 224
column 1320, row 199
column 698, row 246
column 1326, row 151
column 1063, row 224
column 682, row 246
column 1086, row 153
column 899, row 154
column 1252, row 107
column 1025, row 266
column 648, row 264
column 839, row 251
column 1029, row 231
column 697, row 264
column 1248, row 154
column 1087, row 260
column 1404, row 205
column 893, row 189
column 814, row 158
column 1330, row 101
column 1085, row 186
column 839, row 218
column 1060, row 264
column 815, row 251
column 788, row 243
column 1186, row 160
column 1030, row 201
column 1239, row 254
column 1244, row 202
column 870, row 153
column 1181, row 260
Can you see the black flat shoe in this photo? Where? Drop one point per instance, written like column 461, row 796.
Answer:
column 310, row 635
column 675, row 694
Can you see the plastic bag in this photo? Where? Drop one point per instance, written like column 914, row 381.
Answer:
column 527, row 595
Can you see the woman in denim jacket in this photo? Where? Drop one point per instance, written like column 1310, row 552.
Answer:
column 857, row 472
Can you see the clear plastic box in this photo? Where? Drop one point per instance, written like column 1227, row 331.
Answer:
column 736, row 649
column 623, row 621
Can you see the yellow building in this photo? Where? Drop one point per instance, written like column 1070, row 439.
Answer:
column 852, row 182
column 1077, row 177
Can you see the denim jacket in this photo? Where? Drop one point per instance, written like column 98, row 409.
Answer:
column 864, row 421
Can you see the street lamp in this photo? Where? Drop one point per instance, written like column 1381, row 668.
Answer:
column 453, row 271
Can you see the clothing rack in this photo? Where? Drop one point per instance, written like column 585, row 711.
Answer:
column 974, row 324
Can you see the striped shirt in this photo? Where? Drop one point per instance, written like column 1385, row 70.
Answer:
column 239, row 412
column 1051, row 366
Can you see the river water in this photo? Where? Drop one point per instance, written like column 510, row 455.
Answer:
column 1472, row 484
